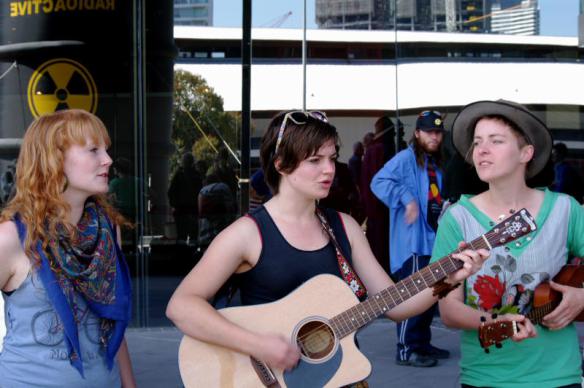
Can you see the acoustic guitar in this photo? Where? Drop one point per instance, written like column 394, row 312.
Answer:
column 545, row 300
column 321, row 316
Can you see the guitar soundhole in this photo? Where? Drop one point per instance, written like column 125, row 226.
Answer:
column 316, row 340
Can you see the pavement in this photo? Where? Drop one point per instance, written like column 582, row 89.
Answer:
column 154, row 355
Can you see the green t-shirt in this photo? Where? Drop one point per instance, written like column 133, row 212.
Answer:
column 506, row 283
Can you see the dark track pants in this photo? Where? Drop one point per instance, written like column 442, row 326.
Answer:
column 414, row 333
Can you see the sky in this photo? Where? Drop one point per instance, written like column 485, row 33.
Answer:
column 558, row 17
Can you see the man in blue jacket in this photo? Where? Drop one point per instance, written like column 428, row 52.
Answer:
column 409, row 185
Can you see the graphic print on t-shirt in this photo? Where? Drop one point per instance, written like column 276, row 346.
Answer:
column 503, row 291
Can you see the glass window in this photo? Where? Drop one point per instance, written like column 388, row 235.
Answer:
column 176, row 127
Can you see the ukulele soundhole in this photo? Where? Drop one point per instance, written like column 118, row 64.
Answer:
column 316, row 339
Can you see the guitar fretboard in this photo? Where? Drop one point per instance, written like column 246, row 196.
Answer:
column 517, row 225
column 380, row 303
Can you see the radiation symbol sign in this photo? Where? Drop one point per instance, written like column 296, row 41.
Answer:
column 61, row 84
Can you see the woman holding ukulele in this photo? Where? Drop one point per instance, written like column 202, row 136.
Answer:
column 507, row 144
column 281, row 245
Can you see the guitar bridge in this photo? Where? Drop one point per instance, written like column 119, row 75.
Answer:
column 265, row 374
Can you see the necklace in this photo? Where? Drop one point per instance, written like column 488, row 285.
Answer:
column 502, row 217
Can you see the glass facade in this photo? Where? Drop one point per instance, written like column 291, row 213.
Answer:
column 171, row 97
column 193, row 12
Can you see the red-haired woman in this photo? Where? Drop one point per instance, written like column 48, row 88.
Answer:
column 65, row 283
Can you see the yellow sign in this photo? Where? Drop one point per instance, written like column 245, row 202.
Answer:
column 61, row 84
column 35, row 7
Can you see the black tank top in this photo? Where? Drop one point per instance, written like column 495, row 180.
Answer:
column 281, row 268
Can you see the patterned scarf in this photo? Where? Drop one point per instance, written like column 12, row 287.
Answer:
column 92, row 268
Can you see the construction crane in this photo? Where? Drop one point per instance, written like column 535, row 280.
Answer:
column 489, row 15
column 277, row 22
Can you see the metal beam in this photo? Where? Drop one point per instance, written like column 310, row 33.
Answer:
column 245, row 107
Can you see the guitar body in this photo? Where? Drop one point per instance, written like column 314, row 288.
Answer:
column 569, row 275
column 324, row 296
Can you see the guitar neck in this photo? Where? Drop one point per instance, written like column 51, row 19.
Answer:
column 380, row 303
column 537, row 313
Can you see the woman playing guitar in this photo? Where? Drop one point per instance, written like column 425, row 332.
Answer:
column 507, row 144
column 281, row 245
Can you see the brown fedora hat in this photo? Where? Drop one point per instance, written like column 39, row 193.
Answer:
column 536, row 132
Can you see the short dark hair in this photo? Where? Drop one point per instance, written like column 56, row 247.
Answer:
column 299, row 141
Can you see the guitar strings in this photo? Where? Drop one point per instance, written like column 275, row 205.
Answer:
column 478, row 243
column 319, row 327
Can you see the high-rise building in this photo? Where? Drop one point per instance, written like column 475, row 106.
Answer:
column 473, row 16
column 193, row 12
column 354, row 14
column 479, row 16
column 521, row 18
column 412, row 15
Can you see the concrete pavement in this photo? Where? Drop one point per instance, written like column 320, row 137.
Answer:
column 154, row 354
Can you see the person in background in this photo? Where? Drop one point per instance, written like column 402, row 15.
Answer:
column 64, row 280
column 282, row 244
column 344, row 194
column 566, row 179
column 410, row 185
column 259, row 190
column 367, row 139
column 507, row 144
column 217, row 208
column 378, row 152
column 123, row 188
column 224, row 169
column 183, row 191
column 355, row 161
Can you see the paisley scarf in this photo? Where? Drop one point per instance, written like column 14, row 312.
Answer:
column 91, row 267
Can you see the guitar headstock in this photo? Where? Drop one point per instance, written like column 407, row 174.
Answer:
column 495, row 332
column 513, row 227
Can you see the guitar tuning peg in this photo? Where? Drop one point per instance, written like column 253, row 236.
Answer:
column 498, row 345
column 494, row 316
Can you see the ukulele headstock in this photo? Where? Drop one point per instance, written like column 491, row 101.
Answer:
column 495, row 332
column 513, row 227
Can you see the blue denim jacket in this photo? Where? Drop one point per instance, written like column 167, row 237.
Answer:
column 399, row 182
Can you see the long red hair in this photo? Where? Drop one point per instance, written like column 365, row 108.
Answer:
column 40, row 178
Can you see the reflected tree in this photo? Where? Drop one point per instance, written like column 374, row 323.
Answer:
column 198, row 119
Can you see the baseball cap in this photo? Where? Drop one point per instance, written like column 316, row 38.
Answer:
column 430, row 120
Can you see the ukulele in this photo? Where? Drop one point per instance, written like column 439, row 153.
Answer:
column 545, row 300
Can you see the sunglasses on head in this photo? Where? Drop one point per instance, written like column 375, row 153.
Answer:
column 429, row 112
column 298, row 117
